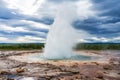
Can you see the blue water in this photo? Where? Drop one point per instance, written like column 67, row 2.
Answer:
column 74, row 57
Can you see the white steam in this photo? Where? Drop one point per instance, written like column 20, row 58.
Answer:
column 62, row 36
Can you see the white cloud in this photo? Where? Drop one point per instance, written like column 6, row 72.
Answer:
column 35, row 24
column 3, row 39
column 84, row 9
column 10, row 29
column 110, row 26
column 101, row 39
column 82, row 41
column 26, row 29
column 25, row 24
column 23, row 39
column 27, row 39
column 28, row 7
column 117, row 38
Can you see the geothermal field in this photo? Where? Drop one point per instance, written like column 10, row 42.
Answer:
column 29, row 65
column 59, row 40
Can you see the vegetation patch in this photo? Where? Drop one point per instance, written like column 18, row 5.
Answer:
column 80, row 46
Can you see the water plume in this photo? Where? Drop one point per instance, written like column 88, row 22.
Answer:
column 61, row 36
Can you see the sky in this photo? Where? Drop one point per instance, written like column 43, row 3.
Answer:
column 29, row 21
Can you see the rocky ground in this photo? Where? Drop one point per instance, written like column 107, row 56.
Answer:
column 11, row 69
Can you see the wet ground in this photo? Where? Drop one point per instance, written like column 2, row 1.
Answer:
column 13, row 66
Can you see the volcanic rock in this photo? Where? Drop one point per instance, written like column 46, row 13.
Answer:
column 20, row 70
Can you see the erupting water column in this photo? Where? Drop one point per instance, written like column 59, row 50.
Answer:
column 61, row 36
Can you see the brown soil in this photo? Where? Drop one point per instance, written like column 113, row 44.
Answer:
column 11, row 69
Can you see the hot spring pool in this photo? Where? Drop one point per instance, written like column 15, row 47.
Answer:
column 77, row 57
column 39, row 57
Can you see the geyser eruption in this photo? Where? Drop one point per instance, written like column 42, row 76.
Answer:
column 61, row 36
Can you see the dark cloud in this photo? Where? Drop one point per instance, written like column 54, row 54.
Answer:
column 98, row 27
column 45, row 20
column 106, row 24
column 7, row 13
column 108, row 7
column 15, row 34
column 108, row 21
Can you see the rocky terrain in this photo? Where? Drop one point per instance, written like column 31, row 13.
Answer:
column 11, row 69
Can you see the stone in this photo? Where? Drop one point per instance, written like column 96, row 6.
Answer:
column 100, row 77
column 10, row 79
column 20, row 70
column 4, row 72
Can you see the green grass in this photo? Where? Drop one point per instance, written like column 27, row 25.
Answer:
column 21, row 46
column 98, row 46
column 82, row 46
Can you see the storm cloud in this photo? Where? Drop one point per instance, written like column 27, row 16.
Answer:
column 20, row 20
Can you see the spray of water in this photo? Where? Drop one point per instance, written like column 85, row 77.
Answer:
column 62, row 35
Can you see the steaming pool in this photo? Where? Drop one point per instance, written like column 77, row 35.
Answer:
column 73, row 57
column 39, row 57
